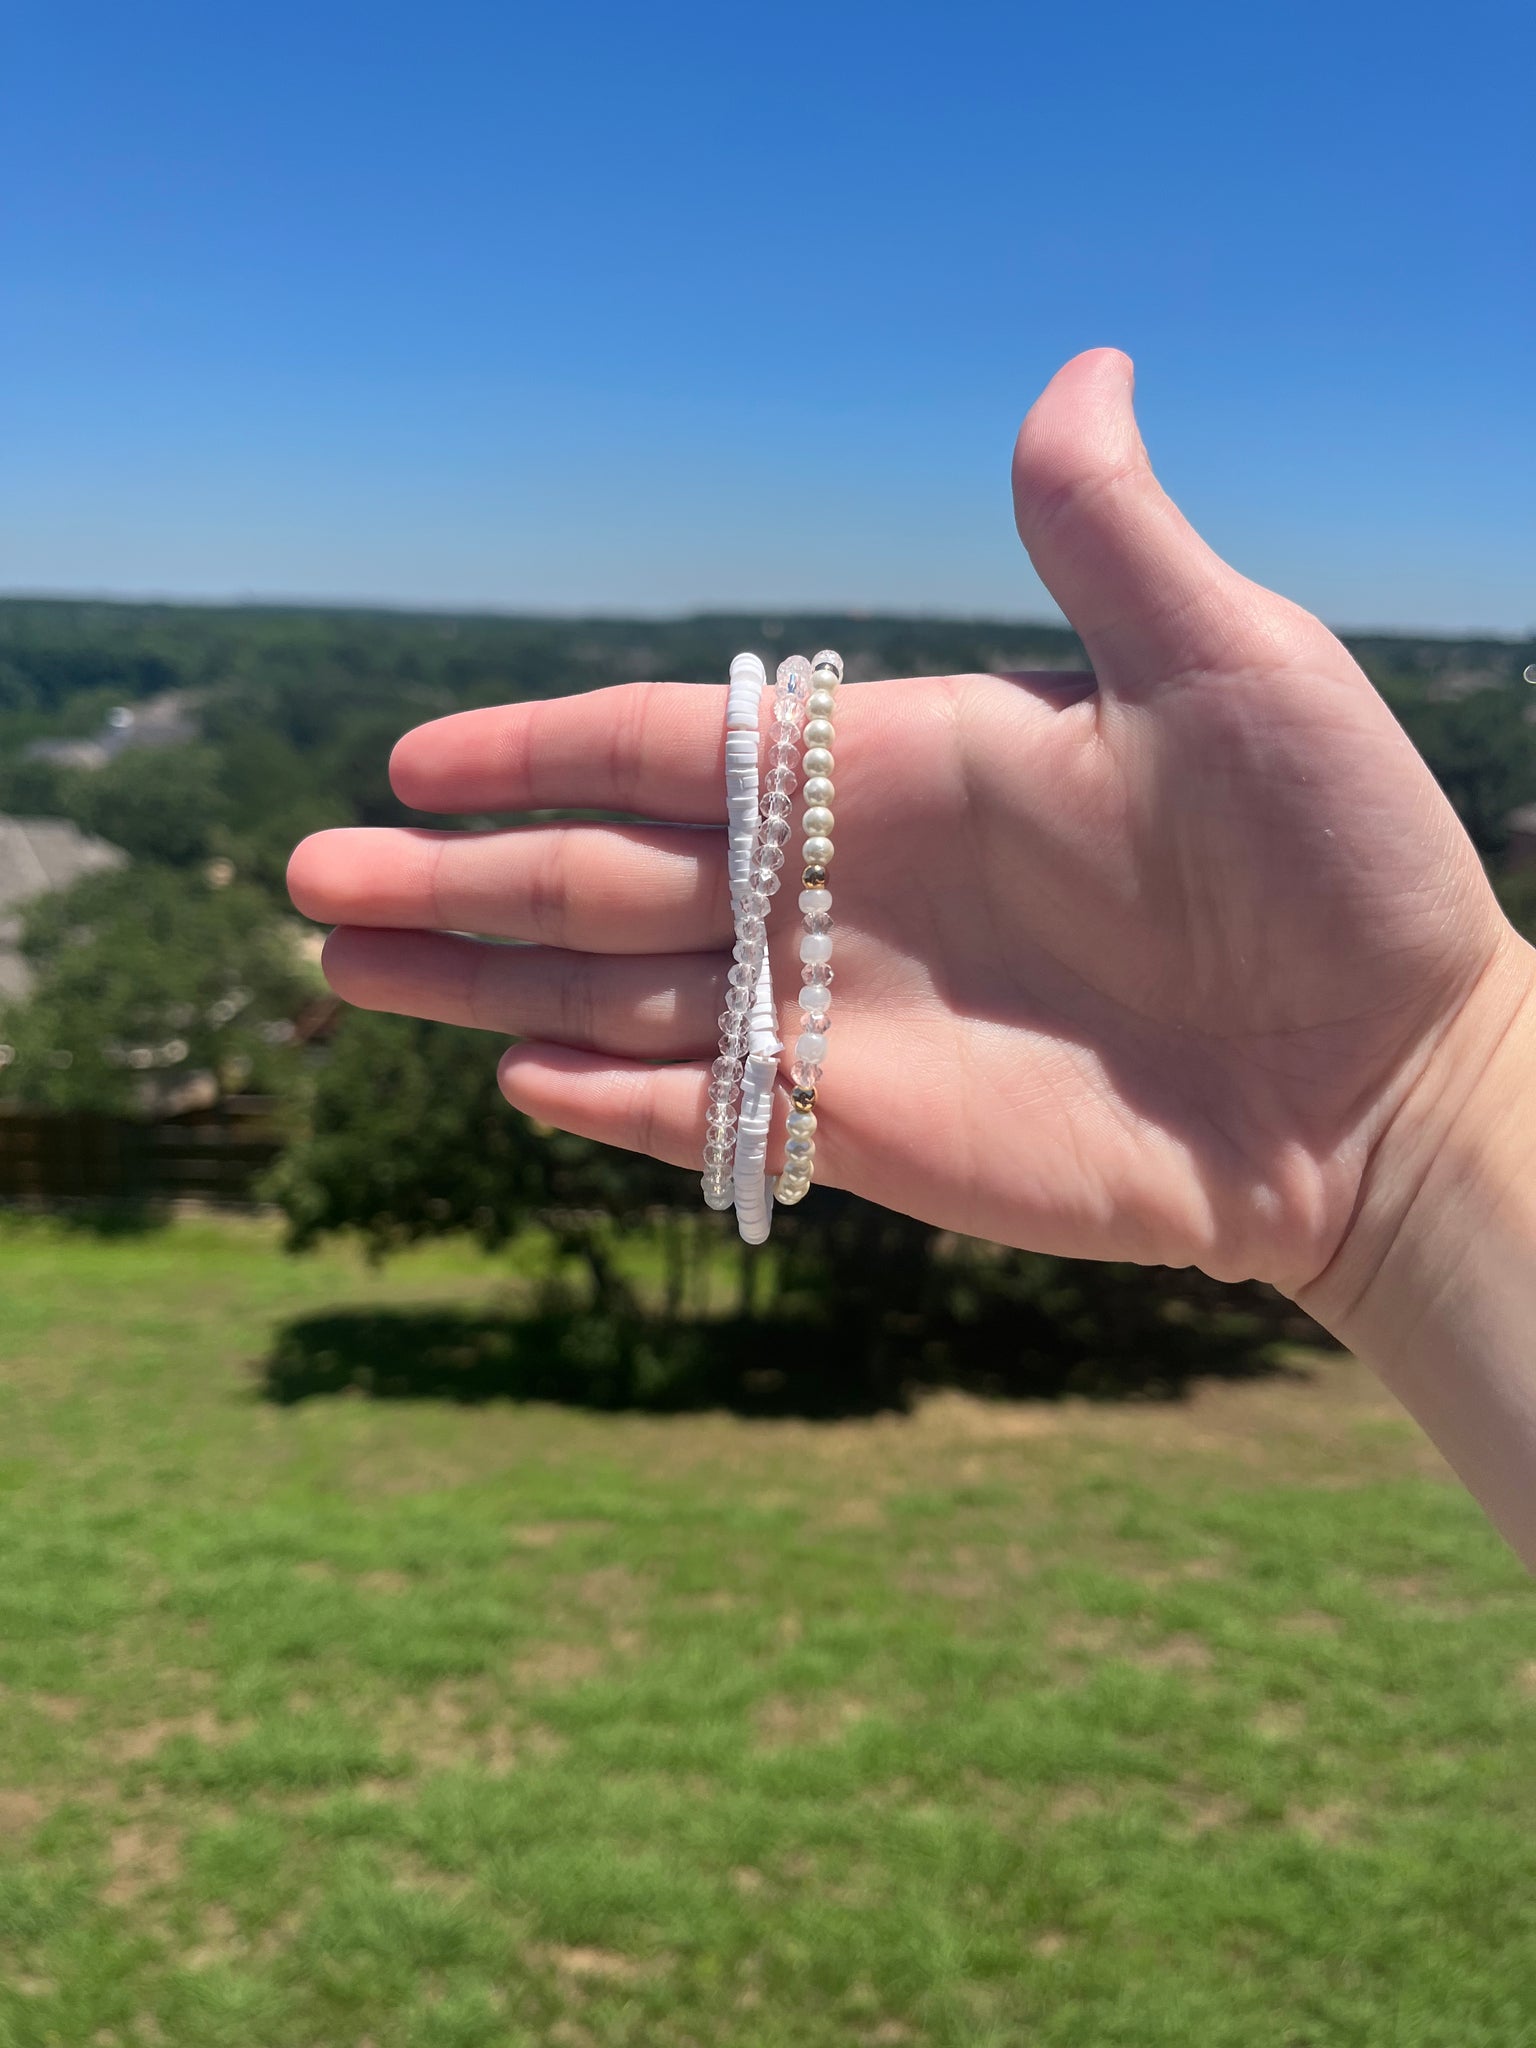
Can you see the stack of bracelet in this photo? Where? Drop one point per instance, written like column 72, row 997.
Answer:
column 750, row 908
column 816, row 943
column 754, row 1207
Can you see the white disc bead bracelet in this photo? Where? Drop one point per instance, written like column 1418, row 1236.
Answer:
column 750, row 911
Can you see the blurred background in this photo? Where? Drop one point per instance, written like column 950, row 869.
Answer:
column 452, row 1597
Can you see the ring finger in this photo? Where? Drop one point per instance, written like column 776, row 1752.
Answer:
column 652, row 1007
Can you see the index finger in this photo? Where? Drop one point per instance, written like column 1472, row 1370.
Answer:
column 656, row 749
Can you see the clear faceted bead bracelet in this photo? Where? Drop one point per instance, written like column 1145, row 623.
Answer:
column 816, row 853
column 749, row 907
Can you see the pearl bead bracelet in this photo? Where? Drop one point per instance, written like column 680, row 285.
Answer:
column 816, row 853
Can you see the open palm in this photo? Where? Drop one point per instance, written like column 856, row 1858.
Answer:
column 1131, row 965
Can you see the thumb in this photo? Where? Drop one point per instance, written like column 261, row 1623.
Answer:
column 1149, row 599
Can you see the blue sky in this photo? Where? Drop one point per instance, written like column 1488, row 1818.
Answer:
column 665, row 306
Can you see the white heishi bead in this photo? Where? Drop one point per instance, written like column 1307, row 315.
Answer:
column 800, row 1123
column 810, row 1045
column 816, row 996
column 817, row 851
column 815, row 899
column 815, row 946
column 819, row 790
column 821, row 704
column 817, row 761
column 819, row 732
column 818, row 819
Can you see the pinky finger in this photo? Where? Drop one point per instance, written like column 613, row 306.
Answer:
column 657, row 1110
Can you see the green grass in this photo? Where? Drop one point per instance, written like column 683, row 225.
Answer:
column 361, row 1724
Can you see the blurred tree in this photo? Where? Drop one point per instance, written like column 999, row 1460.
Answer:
column 147, row 976
column 158, row 804
column 1482, row 752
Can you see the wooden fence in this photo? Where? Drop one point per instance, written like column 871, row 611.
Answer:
column 210, row 1155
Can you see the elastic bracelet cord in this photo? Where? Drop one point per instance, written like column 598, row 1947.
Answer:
column 750, row 910
column 816, row 853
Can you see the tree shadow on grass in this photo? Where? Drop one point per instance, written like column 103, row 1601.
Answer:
column 1099, row 1337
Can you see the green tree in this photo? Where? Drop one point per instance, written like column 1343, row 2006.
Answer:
column 146, row 975
column 157, row 804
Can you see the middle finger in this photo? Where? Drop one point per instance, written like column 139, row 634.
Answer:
column 588, row 888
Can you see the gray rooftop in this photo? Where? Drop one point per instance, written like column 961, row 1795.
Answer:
column 39, row 856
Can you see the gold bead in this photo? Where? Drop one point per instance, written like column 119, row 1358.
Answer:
column 803, row 1098
column 815, row 877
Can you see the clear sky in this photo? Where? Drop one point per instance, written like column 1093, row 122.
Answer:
column 661, row 306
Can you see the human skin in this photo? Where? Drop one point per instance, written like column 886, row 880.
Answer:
column 1185, row 961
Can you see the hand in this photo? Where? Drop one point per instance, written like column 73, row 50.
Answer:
column 1138, row 965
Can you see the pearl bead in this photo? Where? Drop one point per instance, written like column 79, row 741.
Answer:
column 810, row 1046
column 819, row 732
column 787, row 1195
column 818, row 761
column 817, row 851
column 819, row 790
column 815, row 946
column 816, row 996
column 799, row 1148
column 818, row 820
column 815, row 899
column 800, row 1123
column 821, row 704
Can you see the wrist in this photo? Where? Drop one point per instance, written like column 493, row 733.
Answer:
column 1434, row 1284
column 1452, row 1153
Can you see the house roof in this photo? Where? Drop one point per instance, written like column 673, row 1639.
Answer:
column 39, row 856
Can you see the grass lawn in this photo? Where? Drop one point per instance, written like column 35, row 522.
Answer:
column 361, row 1724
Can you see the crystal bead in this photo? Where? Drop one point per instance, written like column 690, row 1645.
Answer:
column 818, row 921
column 828, row 657
column 765, row 882
column 776, row 804
column 806, row 1072
column 724, row 1070
column 769, row 856
column 793, row 675
column 776, row 829
column 782, row 782
column 718, row 1196
column 738, row 1000
column 818, row 970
